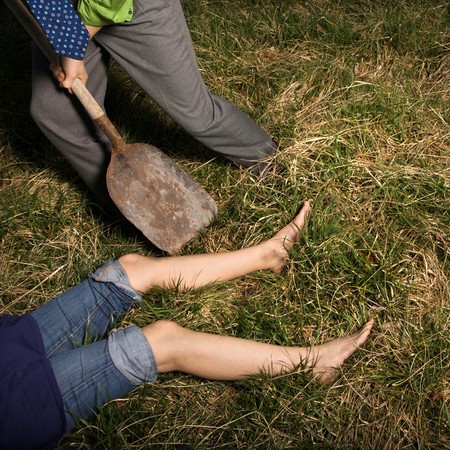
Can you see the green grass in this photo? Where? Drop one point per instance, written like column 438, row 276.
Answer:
column 357, row 95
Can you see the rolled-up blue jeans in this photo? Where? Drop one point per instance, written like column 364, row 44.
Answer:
column 92, row 362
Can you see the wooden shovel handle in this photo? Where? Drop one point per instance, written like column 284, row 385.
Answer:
column 78, row 88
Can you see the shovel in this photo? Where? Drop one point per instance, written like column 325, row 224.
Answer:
column 149, row 189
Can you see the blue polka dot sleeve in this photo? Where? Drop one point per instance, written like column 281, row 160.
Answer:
column 62, row 26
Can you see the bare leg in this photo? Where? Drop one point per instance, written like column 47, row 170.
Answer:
column 193, row 271
column 228, row 358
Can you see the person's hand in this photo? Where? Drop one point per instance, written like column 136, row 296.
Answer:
column 68, row 70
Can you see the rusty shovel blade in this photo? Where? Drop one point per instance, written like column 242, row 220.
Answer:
column 154, row 194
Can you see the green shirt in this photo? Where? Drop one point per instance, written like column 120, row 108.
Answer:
column 105, row 12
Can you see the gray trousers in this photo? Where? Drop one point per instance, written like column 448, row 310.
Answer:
column 155, row 49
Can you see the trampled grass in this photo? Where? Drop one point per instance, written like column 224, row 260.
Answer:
column 357, row 95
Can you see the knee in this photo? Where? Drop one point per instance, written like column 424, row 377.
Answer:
column 165, row 330
column 165, row 338
column 130, row 258
column 140, row 271
column 130, row 263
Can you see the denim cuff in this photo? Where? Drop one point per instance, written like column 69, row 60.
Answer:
column 132, row 355
column 113, row 272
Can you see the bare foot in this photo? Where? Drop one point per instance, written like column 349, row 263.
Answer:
column 284, row 240
column 326, row 359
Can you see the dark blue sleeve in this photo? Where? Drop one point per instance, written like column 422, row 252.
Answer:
column 62, row 26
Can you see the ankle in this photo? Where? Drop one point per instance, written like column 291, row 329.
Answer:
column 275, row 255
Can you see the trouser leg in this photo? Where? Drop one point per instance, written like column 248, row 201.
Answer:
column 91, row 375
column 87, row 310
column 67, row 125
column 155, row 48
